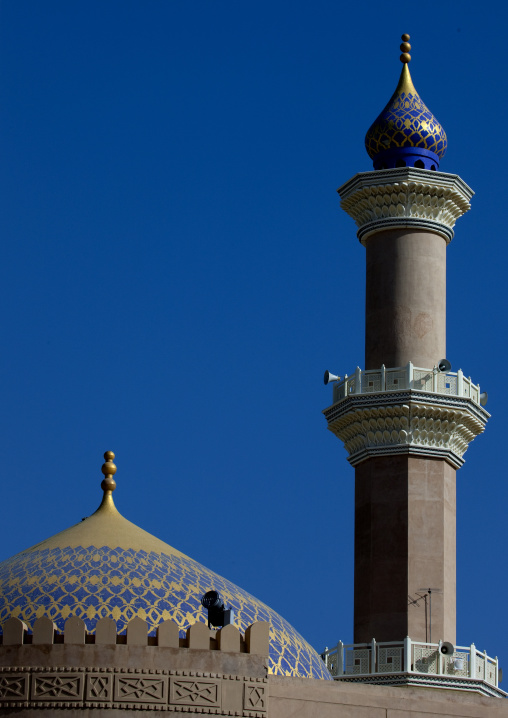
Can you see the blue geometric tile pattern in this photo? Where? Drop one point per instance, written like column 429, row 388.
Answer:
column 405, row 122
column 92, row 583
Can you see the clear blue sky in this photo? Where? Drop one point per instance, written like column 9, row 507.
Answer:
column 176, row 274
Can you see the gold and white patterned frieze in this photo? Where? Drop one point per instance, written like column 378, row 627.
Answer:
column 142, row 689
column 406, row 424
column 405, row 197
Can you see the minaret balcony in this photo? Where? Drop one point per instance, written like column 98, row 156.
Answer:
column 408, row 662
column 406, row 410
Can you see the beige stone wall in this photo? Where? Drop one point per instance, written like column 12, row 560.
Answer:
column 306, row 698
column 45, row 673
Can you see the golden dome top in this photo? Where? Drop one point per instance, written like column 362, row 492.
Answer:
column 106, row 566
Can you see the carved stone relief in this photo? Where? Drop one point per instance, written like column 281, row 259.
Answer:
column 146, row 689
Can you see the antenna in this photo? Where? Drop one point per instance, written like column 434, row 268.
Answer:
column 428, row 592
column 416, row 603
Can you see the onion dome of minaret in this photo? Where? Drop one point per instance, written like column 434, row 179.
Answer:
column 406, row 133
column 107, row 567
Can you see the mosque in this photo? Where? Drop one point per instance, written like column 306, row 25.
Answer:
column 105, row 620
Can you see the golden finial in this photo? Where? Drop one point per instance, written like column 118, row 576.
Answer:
column 109, row 470
column 405, row 48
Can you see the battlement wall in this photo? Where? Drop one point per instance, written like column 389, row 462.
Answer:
column 198, row 636
column 223, row 672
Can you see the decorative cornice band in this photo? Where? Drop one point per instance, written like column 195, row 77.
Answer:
column 379, row 225
column 400, row 449
column 428, row 680
column 405, row 174
column 408, row 422
column 405, row 197
column 395, row 398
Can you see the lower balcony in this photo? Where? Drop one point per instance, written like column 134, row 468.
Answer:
column 410, row 662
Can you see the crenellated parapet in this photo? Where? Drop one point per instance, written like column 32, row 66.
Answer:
column 15, row 632
column 219, row 672
column 405, row 197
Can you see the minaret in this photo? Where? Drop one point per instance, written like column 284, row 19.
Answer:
column 406, row 419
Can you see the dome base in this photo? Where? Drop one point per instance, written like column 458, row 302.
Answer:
column 406, row 157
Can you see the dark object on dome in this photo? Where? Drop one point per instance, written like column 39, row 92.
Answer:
column 212, row 599
column 218, row 615
column 406, row 133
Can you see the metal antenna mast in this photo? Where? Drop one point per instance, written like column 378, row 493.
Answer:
column 429, row 592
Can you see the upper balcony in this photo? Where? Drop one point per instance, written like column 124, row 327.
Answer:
column 406, row 410
column 407, row 378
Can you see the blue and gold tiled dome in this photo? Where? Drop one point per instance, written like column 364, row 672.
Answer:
column 106, row 566
column 406, row 133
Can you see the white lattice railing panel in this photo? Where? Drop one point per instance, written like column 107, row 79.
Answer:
column 480, row 666
column 372, row 382
column 490, row 673
column 447, row 384
column 396, row 379
column 390, row 660
column 426, row 660
column 332, row 663
column 358, row 661
column 458, row 664
column 423, row 380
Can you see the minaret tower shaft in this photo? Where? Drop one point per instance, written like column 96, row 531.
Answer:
column 406, row 419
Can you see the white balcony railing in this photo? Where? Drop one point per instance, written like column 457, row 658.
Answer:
column 405, row 378
column 369, row 659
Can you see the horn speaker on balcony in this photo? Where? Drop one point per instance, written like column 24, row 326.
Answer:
column 447, row 649
column 330, row 377
column 444, row 365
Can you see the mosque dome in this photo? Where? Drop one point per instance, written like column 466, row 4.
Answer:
column 106, row 566
column 406, row 133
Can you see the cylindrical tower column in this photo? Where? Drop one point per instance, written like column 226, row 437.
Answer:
column 405, row 310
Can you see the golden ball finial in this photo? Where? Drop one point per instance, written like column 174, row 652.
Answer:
column 109, row 470
column 405, row 48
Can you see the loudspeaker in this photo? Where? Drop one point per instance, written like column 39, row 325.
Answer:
column 330, row 377
column 444, row 365
column 484, row 397
column 447, row 649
